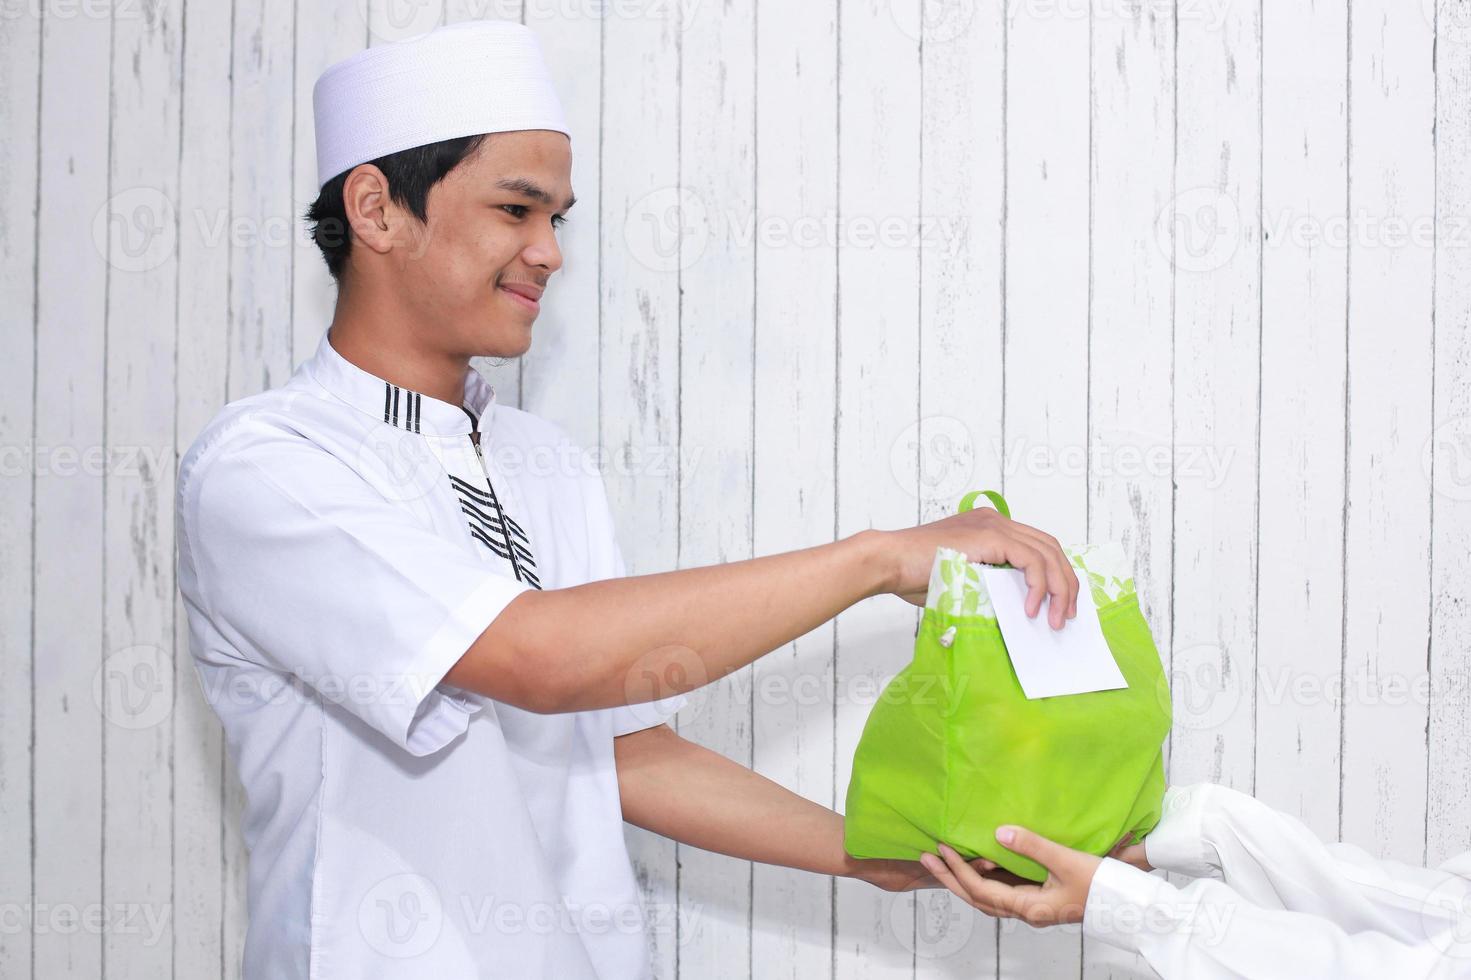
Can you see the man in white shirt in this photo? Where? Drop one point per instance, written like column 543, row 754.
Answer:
column 406, row 602
column 1270, row 900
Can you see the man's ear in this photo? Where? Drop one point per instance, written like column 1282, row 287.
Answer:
column 369, row 207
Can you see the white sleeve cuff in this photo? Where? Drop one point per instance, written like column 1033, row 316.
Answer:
column 637, row 717
column 442, row 714
column 1178, row 842
column 1124, row 904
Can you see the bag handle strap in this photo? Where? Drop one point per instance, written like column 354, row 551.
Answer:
column 999, row 502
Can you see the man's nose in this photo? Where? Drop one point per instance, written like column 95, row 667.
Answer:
column 544, row 252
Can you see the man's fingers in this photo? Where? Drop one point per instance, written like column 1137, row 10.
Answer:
column 1067, row 601
column 1021, row 552
column 1047, row 572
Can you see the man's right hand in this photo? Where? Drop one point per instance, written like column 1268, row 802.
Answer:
column 985, row 536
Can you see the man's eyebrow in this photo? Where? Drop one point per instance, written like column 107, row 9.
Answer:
column 533, row 190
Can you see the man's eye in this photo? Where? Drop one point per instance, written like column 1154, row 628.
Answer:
column 514, row 210
column 558, row 220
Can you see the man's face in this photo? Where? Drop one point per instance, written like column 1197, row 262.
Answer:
column 489, row 245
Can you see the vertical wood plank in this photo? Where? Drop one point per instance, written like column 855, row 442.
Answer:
column 958, row 439
column 20, row 79
column 201, row 824
column 795, row 390
column 1304, row 295
column 643, row 231
column 1046, row 339
column 1448, row 455
column 70, row 359
column 1214, row 223
column 1130, row 452
column 717, row 266
column 135, row 683
column 261, row 174
column 878, row 400
column 1390, row 331
column 326, row 32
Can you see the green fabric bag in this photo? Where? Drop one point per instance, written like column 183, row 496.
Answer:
column 953, row 749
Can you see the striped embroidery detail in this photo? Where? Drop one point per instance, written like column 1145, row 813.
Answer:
column 497, row 530
column 412, row 403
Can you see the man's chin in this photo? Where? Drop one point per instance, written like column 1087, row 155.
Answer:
column 509, row 338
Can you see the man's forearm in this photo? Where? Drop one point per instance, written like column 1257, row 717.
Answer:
column 683, row 791
column 677, row 789
column 625, row 640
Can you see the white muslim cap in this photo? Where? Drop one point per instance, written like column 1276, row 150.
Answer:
column 480, row 76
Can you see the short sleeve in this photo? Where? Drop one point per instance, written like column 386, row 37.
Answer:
column 605, row 560
column 305, row 568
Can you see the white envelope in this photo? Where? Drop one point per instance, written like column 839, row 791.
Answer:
column 1048, row 662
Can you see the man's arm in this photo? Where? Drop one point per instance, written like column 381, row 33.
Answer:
column 677, row 789
column 629, row 640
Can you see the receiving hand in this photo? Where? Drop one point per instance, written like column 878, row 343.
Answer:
column 1059, row 899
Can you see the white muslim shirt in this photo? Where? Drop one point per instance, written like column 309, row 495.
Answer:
column 1270, row 901
column 341, row 545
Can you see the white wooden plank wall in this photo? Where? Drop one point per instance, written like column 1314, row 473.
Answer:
column 1190, row 274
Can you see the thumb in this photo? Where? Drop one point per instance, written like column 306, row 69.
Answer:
column 1034, row 846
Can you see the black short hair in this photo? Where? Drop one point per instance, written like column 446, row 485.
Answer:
column 411, row 173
